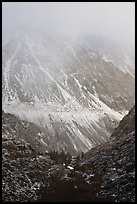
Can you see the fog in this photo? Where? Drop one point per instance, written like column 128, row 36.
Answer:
column 112, row 19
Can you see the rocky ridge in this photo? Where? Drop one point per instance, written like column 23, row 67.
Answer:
column 104, row 174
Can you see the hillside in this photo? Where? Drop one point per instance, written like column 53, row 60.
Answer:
column 106, row 173
column 74, row 91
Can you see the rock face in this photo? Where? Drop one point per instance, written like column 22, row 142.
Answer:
column 114, row 163
column 17, row 129
column 106, row 173
column 75, row 94
column 127, row 125
column 24, row 168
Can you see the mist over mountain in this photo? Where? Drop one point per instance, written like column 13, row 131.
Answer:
column 76, row 85
column 115, row 20
column 68, row 95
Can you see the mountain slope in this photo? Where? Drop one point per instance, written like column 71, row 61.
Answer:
column 74, row 95
column 104, row 174
column 23, row 131
column 25, row 166
column 114, row 161
column 37, row 66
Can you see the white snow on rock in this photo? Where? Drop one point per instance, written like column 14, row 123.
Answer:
column 70, row 167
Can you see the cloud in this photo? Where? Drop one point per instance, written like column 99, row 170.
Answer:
column 114, row 19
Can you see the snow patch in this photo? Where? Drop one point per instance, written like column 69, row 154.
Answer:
column 70, row 167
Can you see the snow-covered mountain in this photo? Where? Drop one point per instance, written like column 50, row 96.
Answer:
column 120, row 54
column 75, row 91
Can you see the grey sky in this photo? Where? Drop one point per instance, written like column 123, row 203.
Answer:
column 113, row 19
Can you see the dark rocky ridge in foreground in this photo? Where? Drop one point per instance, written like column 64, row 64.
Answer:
column 24, row 131
column 105, row 174
column 114, row 161
column 25, row 166
column 127, row 125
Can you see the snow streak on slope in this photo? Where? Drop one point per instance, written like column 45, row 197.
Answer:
column 8, row 67
column 64, row 92
column 72, row 131
column 65, row 88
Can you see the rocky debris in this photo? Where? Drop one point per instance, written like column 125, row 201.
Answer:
column 127, row 125
column 104, row 174
column 114, row 161
column 23, row 173
column 24, row 169
column 23, row 130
